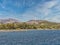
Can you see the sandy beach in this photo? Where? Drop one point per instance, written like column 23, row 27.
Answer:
column 13, row 30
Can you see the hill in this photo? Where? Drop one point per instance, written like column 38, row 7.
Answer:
column 9, row 20
column 31, row 24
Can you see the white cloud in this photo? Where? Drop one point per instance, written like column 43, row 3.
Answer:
column 42, row 10
column 45, row 9
column 53, row 19
column 30, row 15
column 50, row 4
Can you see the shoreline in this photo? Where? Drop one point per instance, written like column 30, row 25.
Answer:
column 14, row 30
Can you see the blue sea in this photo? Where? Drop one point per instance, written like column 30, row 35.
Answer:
column 31, row 37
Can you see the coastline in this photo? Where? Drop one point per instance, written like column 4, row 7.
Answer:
column 15, row 30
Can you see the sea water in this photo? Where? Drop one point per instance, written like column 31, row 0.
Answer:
column 31, row 37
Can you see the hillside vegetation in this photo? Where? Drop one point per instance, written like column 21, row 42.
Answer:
column 27, row 25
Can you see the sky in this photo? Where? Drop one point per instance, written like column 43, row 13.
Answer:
column 25, row 10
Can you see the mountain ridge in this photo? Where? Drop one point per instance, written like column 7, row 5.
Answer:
column 11, row 20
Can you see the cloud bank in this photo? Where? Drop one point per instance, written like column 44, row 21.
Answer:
column 31, row 9
column 46, row 11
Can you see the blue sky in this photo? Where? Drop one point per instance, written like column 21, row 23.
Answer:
column 25, row 10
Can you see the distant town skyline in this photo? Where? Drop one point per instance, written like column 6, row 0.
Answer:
column 25, row 10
